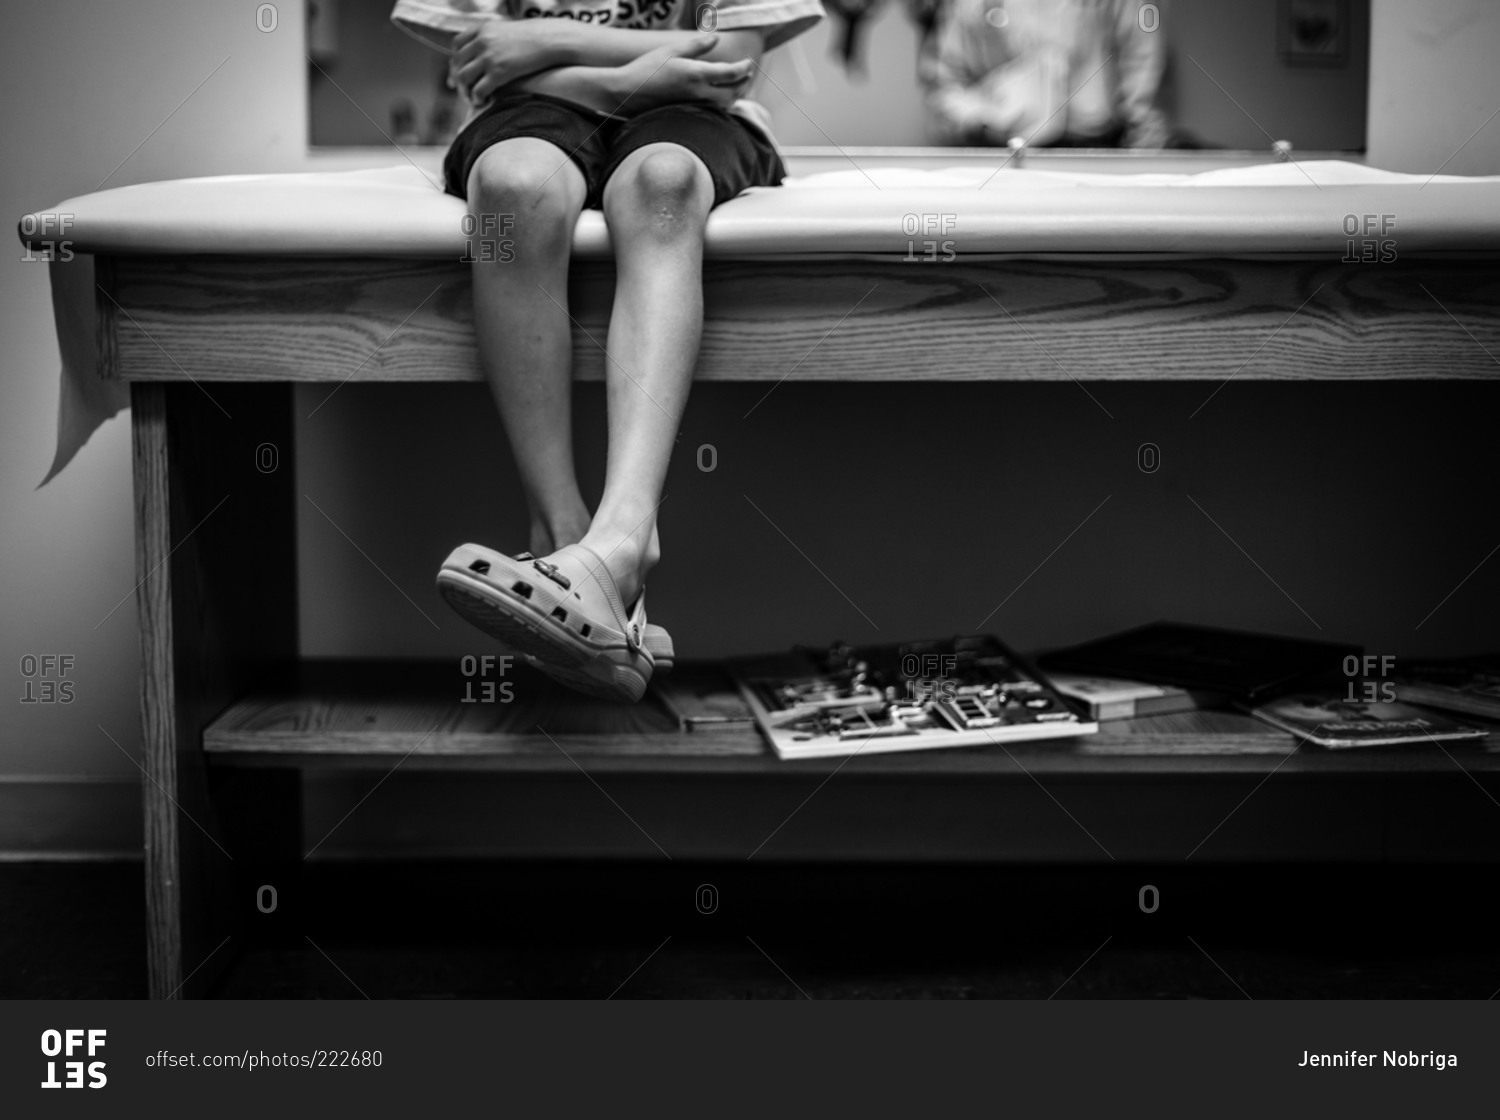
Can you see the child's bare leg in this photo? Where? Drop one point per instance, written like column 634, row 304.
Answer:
column 520, row 318
column 656, row 204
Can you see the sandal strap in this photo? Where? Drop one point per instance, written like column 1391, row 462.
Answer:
column 657, row 642
column 635, row 631
column 629, row 625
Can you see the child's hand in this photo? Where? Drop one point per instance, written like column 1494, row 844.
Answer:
column 673, row 74
column 497, row 52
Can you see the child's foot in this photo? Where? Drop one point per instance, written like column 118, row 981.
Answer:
column 627, row 558
column 630, row 579
column 564, row 611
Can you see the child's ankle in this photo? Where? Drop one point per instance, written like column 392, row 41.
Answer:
column 627, row 558
column 546, row 539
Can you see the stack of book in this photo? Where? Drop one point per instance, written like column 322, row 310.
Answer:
column 1298, row 686
column 1470, row 685
column 1110, row 698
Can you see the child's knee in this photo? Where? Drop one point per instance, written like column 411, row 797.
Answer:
column 669, row 183
column 537, row 194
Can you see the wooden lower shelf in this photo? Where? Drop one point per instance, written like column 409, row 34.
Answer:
column 428, row 715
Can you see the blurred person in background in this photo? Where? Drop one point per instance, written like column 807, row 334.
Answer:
column 1055, row 73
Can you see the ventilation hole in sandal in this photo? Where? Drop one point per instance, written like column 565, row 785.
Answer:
column 521, row 589
column 559, row 614
column 480, row 566
column 585, row 631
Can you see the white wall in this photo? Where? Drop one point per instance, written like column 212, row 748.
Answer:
column 1231, row 86
column 1434, row 80
column 85, row 82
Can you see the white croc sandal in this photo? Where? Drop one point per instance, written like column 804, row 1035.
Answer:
column 655, row 638
column 563, row 613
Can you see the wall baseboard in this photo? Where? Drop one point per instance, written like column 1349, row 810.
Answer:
column 64, row 818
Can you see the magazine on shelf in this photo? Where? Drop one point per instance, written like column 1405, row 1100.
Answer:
column 1470, row 685
column 1331, row 721
column 970, row 691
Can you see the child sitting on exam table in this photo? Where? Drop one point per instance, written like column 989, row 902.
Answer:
column 626, row 107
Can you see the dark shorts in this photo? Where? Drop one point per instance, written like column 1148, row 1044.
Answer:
column 736, row 155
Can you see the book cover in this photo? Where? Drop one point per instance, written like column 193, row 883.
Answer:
column 1107, row 698
column 968, row 691
column 1462, row 684
column 1329, row 721
column 702, row 700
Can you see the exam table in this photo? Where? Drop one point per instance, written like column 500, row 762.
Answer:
column 249, row 284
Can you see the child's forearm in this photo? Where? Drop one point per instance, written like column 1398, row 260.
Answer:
column 595, row 87
column 587, row 44
column 566, row 42
column 508, row 53
column 609, row 89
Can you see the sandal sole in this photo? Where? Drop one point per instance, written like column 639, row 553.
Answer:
column 556, row 652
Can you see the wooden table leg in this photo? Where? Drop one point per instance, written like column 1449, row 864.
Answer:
column 259, row 810
column 215, row 520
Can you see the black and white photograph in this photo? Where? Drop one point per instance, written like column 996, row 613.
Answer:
column 1061, row 440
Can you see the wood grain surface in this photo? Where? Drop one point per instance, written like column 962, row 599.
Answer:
column 343, row 714
column 217, row 601
column 253, row 319
column 161, row 734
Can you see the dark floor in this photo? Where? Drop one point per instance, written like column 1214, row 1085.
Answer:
column 442, row 931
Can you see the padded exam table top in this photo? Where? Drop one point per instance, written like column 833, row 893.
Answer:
column 1308, row 209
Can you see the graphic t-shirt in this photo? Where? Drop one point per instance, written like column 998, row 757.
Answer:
column 436, row 21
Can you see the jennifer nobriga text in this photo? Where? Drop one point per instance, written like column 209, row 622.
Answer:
column 1406, row 1059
